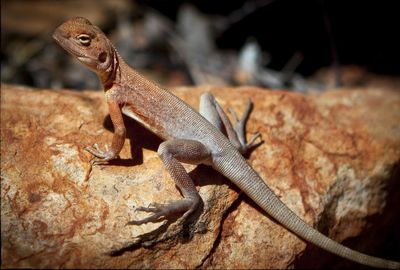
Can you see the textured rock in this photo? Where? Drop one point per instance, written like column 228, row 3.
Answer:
column 328, row 157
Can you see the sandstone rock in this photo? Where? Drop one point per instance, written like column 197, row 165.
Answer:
column 328, row 156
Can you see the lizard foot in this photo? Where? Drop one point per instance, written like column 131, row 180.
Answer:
column 159, row 210
column 239, row 127
column 103, row 156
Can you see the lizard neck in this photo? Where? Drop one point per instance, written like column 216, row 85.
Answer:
column 112, row 74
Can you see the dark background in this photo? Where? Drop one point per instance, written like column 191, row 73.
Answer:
column 365, row 32
column 361, row 33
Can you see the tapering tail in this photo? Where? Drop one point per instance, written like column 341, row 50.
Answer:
column 235, row 167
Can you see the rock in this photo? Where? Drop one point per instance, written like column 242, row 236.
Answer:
column 328, row 156
column 352, row 76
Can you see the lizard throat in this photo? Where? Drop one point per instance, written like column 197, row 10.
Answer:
column 112, row 74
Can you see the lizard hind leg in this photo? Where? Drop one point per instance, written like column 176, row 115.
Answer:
column 172, row 153
column 236, row 133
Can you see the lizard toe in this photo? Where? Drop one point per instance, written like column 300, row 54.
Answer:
column 187, row 206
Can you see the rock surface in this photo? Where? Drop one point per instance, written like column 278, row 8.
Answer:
column 328, row 156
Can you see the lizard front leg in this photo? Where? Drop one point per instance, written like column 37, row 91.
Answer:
column 172, row 153
column 118, row 137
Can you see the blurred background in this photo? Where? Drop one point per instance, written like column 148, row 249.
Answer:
column 296, row 45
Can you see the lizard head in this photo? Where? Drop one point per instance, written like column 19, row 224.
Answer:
column 87, row 43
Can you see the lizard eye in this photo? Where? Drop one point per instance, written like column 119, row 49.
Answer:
column 84, row 39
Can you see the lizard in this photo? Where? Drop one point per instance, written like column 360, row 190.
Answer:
column 205, row 137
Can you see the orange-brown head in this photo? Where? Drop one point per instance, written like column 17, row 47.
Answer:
column 87, row 43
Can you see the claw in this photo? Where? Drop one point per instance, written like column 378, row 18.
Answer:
column 89, row 149
column 147, row 209
column 155, row 208
column 251, row 143
column 152, row 218
column 99, row 161
column 164, row 210
column 97, row 147
column 103, row 156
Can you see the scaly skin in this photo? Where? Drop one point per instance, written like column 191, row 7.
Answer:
column 188, row 136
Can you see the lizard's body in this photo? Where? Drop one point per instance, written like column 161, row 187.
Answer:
column 146, row 104
column 188, row 136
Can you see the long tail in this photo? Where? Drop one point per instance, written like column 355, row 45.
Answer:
column 239, row 172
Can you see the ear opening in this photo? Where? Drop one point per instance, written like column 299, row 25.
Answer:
column 102, row 57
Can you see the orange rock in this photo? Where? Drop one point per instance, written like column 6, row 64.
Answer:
column 327, row 155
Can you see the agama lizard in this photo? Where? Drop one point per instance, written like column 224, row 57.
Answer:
column 189, row 136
